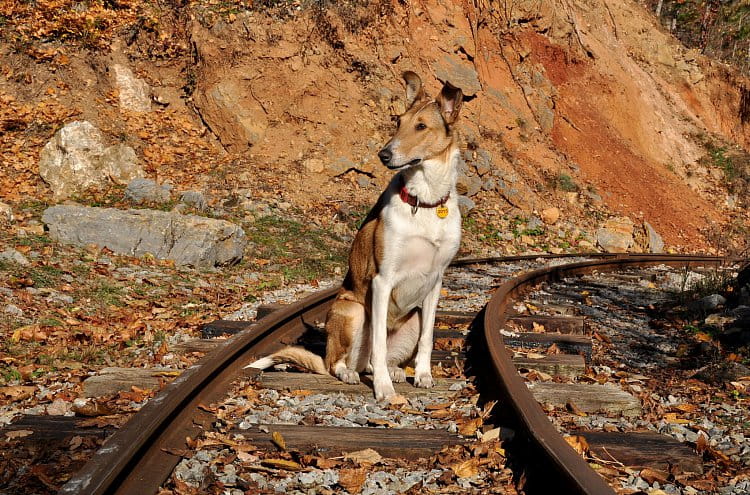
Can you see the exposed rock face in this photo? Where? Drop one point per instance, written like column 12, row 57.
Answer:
column 187, row 239
column 135, row 94
column 460, row 74
column 616, row 236
column 76, row 158
column 232, row 113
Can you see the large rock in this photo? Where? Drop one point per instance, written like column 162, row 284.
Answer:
column 135, row 94
column 232, row 113
column 186, row 239
column 76, row 158
column 459, row 73
column 616, row 236
column 654, row 240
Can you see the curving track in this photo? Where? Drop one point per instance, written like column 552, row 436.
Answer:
column 137, row 459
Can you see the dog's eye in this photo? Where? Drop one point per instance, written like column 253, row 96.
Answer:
column 420, row 127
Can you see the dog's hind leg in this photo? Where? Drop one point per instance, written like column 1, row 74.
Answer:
column 346, row 350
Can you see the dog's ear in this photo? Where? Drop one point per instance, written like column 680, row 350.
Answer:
column 450, row 100
column 414, row 90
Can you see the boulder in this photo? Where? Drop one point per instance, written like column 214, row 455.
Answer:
column 550, row 216
column 233, row 114
column 708, row 303
column 76, row 158
column 186, row 239
column 118, row 162
column 135, row 94
column 654, row 240
column 616, row 236
column 141, row 190
column 196, row 199
column 459, row 73
column 14, row 256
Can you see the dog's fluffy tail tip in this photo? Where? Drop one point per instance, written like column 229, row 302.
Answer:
column 262, row 363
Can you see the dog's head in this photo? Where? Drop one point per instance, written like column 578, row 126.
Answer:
column 425, row 130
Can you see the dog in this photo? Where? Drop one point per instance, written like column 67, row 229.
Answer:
column 384, row 313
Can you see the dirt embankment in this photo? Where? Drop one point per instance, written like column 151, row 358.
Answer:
column 593, row 109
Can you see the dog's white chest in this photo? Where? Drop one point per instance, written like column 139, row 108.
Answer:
column 419, row 247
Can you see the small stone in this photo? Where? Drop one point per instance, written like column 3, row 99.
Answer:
column 196, row 199
column 550, row 216
column 465, row 205
column 140, row 190
column 13, row 310
column 6, row 213
column 313, row 165
column 14, row 256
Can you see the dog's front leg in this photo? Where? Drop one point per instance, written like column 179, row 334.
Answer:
column 423, row 361
column 381, row 294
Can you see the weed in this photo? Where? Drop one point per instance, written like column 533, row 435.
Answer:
column 720, row 159
column 45, row 276
column 50, row 322
column 106, row 294
column 536, row 231
column 564, row 182
column 11, row 375
column 305, row 252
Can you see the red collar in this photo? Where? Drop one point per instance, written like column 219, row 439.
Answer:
column 414, row 201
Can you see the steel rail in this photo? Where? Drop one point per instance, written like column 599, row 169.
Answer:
column 142, row 454
column 573, row 474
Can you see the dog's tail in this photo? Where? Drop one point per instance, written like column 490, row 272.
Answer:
column 295, row 355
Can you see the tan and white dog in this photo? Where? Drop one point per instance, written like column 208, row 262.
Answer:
column 384, row 313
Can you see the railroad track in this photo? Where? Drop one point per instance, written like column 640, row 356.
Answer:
column 141, row 455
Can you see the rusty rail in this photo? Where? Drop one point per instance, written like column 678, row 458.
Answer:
column 140, row 456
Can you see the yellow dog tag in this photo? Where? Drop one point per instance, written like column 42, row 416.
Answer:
column 442, row 211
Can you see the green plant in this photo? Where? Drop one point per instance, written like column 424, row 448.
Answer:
column 45, row 276
column 565, row 182
column 724, row 162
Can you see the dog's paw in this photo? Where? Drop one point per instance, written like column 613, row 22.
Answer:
column 347, row 375
column 384, row 390
column 398, row 375
column 424, row 380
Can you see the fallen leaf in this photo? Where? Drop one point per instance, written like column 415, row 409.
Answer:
column 467, row 468
column 366, row 456
column 469, row 428
column 13, row 434
column 75, row 442
column 571, row 407
column 398, row 400
column 281, row 464
column 490, row 435
column 578, row 443
column 17, row 392
column 651, row 475
column 278, row 440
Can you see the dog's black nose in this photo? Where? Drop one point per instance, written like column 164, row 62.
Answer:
column 385, row 156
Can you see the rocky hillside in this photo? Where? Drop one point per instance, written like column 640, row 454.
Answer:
column 586, row 111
